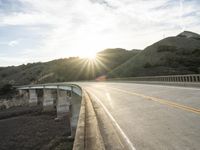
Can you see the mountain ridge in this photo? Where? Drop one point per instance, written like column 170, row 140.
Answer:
column 189, row 34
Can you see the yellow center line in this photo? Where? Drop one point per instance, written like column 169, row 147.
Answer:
column 162, row 101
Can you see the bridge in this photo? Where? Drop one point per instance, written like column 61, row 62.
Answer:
column 125, row 114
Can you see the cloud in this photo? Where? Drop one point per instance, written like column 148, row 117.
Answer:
column 24, row 19
column 103, row 2
column 68, row 28
column 13, row 43
column 10, row 43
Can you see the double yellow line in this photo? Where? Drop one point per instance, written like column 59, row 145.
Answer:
column 162, row 101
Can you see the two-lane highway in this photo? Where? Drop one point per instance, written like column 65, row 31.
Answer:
column 152, row 117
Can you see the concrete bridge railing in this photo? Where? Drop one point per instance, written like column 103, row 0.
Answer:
column 170, row 78
column 60, row 98
column 190, row 80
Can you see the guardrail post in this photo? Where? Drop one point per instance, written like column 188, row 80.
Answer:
column 175, row 79
column 198, row 78
column 191, row 79
column 185, row 79
column 194, row 78
column 188, row 79
column 181, row 79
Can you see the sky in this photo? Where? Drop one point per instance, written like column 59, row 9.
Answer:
column 43, row 30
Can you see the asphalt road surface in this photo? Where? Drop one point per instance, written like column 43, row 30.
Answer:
column 152, row 117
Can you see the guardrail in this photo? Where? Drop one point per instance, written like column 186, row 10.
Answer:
column 170, row 78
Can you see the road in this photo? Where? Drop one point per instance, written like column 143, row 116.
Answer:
column 152, row 117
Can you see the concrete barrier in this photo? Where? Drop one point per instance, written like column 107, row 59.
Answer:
column 170, row 78
column 191, row 80
column 79, row 142
column 88, row 136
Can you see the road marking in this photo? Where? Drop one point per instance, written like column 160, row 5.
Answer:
column 162, row 101
column 113, row 120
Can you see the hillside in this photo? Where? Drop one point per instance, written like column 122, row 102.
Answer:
column 68, row 69
column 172, row 55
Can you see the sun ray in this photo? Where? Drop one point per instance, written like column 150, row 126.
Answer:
column 91, row 67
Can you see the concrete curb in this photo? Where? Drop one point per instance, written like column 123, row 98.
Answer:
column 79, row 142
column 88, row 136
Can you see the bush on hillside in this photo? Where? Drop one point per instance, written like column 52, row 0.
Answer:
column 7, row 91
column 147, row 65
column 196, row 52
column 166, row 48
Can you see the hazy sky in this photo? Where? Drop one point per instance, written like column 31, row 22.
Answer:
column 42, row 30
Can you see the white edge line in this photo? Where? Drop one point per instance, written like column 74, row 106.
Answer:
column 111, row 117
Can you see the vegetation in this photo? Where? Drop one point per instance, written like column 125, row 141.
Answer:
column 7, row 91
column 166, row 48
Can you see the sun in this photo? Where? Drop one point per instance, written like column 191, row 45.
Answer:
column 89, row 55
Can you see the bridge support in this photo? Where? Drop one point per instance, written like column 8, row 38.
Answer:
column 24, row 94
column 63, row 103
column 33, row 99
column 48, row 100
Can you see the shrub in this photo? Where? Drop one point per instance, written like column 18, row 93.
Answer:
column 166, row 48
column 7, row 91
column 147, row 65
column 196, row 52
